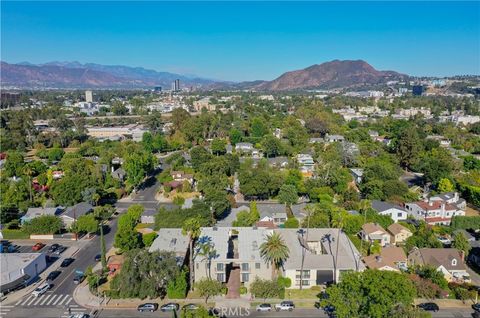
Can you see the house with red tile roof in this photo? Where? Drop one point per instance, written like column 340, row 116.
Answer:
column 434, row 212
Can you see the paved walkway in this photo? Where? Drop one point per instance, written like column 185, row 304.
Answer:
column 233, row 284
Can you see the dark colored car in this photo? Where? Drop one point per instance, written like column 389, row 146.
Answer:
column 476, row 307
column 53, row 275
column 67, row 262
column 476, row 314
column 53, row 247
column 60, row 250
column 98, row 258
column 170, row 307
column 147, row 307
column 38, row 246
column 429, row 307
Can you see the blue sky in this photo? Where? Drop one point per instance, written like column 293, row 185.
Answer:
column 246, row 40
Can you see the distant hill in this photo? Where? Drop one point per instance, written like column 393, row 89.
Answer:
column 90, row 75
column 334, row 74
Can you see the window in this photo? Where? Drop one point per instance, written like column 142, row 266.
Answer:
column 454, row 262
column 221, row 277
column 399, row 214
column 220, row 267
column 306, row 274
column 245, row 267
column 245, row 277
column 198, row 265
column 304, row 282
column 257, row 265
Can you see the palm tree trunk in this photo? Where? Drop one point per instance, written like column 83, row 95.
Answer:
column 191, row 263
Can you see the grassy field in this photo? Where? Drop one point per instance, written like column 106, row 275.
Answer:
column 14, row 234
column 302, row 294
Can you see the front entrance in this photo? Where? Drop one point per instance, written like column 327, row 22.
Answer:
column 233, row 281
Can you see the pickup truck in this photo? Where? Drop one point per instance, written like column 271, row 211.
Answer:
column 78, row 277
column 285, row 306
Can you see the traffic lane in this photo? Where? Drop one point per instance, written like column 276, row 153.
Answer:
column 228, row 312
column 41, row 312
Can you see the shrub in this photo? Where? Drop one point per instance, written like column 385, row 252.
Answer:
column 177, row 288
column 243, row 290
column 149, row 238
column 292, row 223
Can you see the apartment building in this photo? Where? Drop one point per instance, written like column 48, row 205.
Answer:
column 439, row 209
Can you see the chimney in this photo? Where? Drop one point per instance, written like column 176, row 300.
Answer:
column 462, row 255
column 113, row 169
column 442, row 207
column 215, row 228
column 430, row 202
column 378, row 258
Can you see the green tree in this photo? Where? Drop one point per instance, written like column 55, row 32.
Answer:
column 271, row 146
column 445, row 185
column 292, row 223
column 178, row 287
column 208, row 288
column 258, row 128
column 44, row 224
column 13, row 164
column 86, row 223
column 191, row 227
column 263, row 288
column 127, row 238
column 145, row 274
column 55, row 154
column 148, row 238
column 288, row 194
column 370, row 294
column 461, row 243
column 137, row 165
column 235, row 136
column 218, row 146
column 274, row 251
column 408, row 147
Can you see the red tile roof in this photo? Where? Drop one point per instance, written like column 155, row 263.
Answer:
column 435, row 205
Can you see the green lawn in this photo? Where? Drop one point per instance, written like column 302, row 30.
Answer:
column 14, row 234
column 302, row 294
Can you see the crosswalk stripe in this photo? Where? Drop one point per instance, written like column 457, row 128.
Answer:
column 38, row 300
column 25, row 300
column 56, row 301
column 45, row 299
column 18, row 302
column 33, row 299
column 64, row 298
column 51, row 299
column 68, row 302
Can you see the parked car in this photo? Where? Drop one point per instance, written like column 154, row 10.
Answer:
column 67, row 262
column 476, row 307
column 53, row 248
column 190, row 307
column 98, row 258
column 79, row 315
column 264, row 307
column 60, row 250
column 39, row 291
column 170, row 307
column 286, row 305
column 444, row 240
column 38, row 246
column 476, row 314
column 147, row 307
column 53, row 275
column 214, row 312
column 429, row 307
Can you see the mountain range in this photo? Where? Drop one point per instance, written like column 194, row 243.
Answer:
column 328, row 75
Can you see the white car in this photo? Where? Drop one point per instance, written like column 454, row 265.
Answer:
column 264, row 307
column 39, row 291
column 444, row 240
column 79, row 315
column 285, row 305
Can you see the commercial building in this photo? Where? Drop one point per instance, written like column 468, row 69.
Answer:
column 135, row 132
column 88, row 96
column 20, row 269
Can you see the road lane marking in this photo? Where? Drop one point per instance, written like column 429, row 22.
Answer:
column 33, row 299
column 38, row 300
column 24, row 300
column 68, row 302
column 56, row 301
column 51, row 299
column 64, row 298
column 45, row 299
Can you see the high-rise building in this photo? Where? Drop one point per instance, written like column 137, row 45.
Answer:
column 157, row 89
column 88, row 96
column 417, row 90
column 176, row 85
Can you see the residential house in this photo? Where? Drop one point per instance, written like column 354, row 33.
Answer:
column 390, row 259
column 172, row 240
column 399, row 233
column 373, row 232
column 278, row 162
column 357, row 174
column 316, row 140
column 182, row 176
column 334, row 138
column 72, row 213
column 327, row 254
column 444, row 142
column 396, row 212
column 148, row 216
column 449, row 261
column 277, row 218
column 114, row 263
column 452, row 198
column 434, row 211
column 36, row 212
column 244, row 147
column 119, row 174
column 306, row 163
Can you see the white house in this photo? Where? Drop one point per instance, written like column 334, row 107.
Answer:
column 436, row 210
column 396, row 212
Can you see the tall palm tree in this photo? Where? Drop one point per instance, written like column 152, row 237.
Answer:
column 274, row 251
column 207, row 250
column 191, row 227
